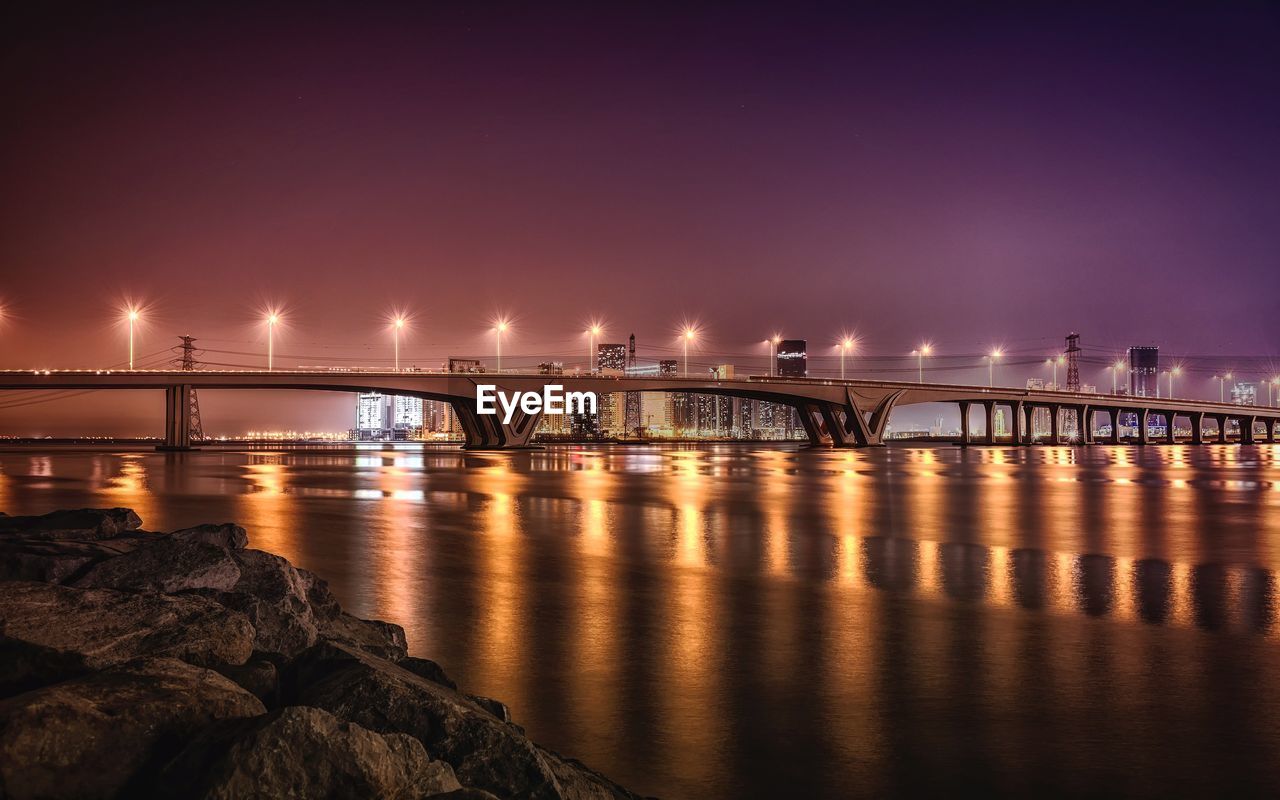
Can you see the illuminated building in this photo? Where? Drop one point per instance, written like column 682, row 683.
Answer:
column 1244, row 393
column 373, row 417
column 406, row 417
column 611, row 358
column 793, row 360
column 1144, row 371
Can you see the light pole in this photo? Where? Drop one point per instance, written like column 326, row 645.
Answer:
column 845, row 345
column 991, row 367
column 500, row 329
column 1275, row 383
column 1116, row 367
column 399, row 324
column 133, row 317
column 920, row 353
column 689, row 333
column 592, row 333
column 1172, row 372
column 1222, row 386
column 272, row 319
column 773, row 353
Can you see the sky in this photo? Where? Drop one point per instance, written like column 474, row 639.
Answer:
column 1000, row 174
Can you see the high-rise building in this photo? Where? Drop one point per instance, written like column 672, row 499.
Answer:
column 406, row 417
column 373, row 416
column 793, row 361
column 668, row 368
column 1144, row 371
column 611, row 358
column 1244, row 393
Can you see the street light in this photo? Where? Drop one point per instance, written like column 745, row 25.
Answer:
column 689, row 334
column 1172, row 372
column 592, row 332
column 920, row 353
column 1275, row 382
column 272, row 318
column 399, row 323
column 1116, row 367
column 846, row 344
column 991, row 366
column 773, row 343
column 1222, row 384
column 499, row 328
column 133, row 318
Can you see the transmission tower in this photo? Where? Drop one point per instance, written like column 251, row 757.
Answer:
column 1073, row 362
column 187, row 363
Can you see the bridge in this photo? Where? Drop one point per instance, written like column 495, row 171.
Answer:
column 834, row 413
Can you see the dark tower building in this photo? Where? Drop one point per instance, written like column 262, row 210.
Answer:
column 1073, row 362
column 1144, row 371
column 631, row 412
column 611, row 357
column 793, row 361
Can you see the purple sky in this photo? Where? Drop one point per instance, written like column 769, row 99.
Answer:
column 972, row 177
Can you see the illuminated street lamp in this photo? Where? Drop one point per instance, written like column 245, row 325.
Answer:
column 846, row 345
column 1275, row 383
column 689, row 335
column 1116, row 367
column 991, row 366
column 272, row 318
column 132, row 315
column 1054, row 362
column 592, row 333
column 920, row 353
column 1222, row 386
column 398, row 324
column 1172, row 372
column 773, row 343
column 499, row 328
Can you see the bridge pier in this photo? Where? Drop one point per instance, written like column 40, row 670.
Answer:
column 487, row 431
column 1169, row 436
column 1115, row 424
column 177, row 418
column 1271, row 431
column 1197, row 427
column 964, row 422
column 1055, row 424
column 1144, row 434
column 990, row 408
column 1246, row 430
column 1222, row 427
column 1085, row 415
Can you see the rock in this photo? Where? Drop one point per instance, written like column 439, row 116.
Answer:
column 495, row 707
column 85, row 524
column 465, row 793
column 93, row 736
column 303, row 752
column 167, row 565
column 484, row 752
column 228, row 535
column 382, row 639
column 51, row 632
column 426, row 668
column 259, row 677
column 274, row 596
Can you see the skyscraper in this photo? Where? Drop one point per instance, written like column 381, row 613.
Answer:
column 611, row 357
column 793, row 361
column 1144, row 371
column 1244, row 393
column 373, row 416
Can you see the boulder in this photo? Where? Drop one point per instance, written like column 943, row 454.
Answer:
column 274, row 596
column 485, row 753
column 168, row 565
column 495, row 707
column 465, row 793
column 259, row 677
column 227, row 534
column 94, row 736
column 50, row 632
column 50, row 561
column 382, row 639
column 426, row 668
column 85, row 524
column 303, row 752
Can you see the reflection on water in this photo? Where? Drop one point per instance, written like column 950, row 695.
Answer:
column 737, row 620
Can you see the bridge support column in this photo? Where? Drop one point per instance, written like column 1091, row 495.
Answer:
column 1246, row 429
column 1115, row 413
column 1169, row 435
column 487, row 431
column 1197, row 427
column 1144, row 435
column 1271, row 431
column 177, row 418
column 1085, row 417
column 1055, row 424
column 964, row 422
column 1015, row 410
column 1222, row 428
column 990, row 408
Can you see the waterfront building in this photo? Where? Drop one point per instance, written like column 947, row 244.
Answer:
column 793, row 360
column 1244, row 393
column 1144, row 371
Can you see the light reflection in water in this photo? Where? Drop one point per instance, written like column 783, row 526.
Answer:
column 728, row 620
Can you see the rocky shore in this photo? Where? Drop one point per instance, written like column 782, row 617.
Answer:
column 184, row 664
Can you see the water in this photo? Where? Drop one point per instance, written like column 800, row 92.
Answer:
column 737, row 621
